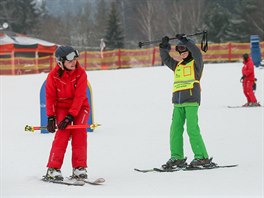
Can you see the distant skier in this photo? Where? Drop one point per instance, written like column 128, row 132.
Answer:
column 66, row 103
column 248, row 80
column 102, row 47
column 186, row 100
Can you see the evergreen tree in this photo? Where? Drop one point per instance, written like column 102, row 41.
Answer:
column 114, row 34
column 246, row 20
column 22, row 16
column 234, row 20
column 100, row 19
column 217, row 21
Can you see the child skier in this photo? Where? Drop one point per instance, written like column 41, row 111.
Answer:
column 66, row 103
column 248, row 81
column 186, row 100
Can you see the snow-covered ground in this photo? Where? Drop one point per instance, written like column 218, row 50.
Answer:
column 134, row 108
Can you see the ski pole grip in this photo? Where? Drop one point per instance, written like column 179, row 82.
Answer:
column 140, row 44
column 29, row 128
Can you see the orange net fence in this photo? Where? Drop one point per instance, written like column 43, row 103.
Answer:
column 121, row 58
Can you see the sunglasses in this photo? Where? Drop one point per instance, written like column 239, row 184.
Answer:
column 181, row 48
column 72, row 55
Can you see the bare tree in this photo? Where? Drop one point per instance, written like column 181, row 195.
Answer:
column 83, row 33
column 196, row 13
column 101, row 20
column 187, row 15
column 256, row 18
column 146, row 14
column 175, row 22
column 53, row 29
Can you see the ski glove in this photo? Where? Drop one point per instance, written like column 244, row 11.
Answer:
column 242, row 78
column 165, row 43
column 181, row 37
column 51, row 124
column 65, row 122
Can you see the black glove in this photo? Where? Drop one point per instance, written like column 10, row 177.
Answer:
column 65, row 122
column 51, row 124
column 165, row 43
column 242, row 78
column 254, row 87
column 181, row 37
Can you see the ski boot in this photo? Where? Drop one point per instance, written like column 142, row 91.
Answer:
column 53, row 174
column 79, row 173
column 205, row 162
column 255, row 104
column 175, row 163
column 246, row 104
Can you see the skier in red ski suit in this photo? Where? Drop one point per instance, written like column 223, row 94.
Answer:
column 66, row 103
column 247, row 79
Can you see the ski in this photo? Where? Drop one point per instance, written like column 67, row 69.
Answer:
column 98, row 181
column 65, row 182
column 168, row 170
column 213, row 166
column 157, row 170
column 243, row 107
column 187, row 168
column 144, row 170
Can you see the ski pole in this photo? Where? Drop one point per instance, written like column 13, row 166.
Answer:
column 140, row 44
column 204, row 45
column 33, row 128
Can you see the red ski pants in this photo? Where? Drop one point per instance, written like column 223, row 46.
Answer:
column 78, row 141
column 248, row 91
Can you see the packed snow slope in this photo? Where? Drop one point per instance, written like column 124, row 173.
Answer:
column 134, row 108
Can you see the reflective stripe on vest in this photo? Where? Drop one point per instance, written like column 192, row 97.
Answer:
column 184, row 76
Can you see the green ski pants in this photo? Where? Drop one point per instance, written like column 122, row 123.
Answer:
column 190, row 113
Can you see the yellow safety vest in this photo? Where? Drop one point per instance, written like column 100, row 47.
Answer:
column 184, row 76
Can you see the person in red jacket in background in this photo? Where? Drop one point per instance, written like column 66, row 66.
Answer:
column 248, row 79
column 66, row 104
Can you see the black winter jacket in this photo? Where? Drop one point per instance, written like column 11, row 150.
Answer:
column 186, row 96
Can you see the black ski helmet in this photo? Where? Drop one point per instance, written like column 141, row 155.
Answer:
column 180, row 47
column 245, row 57
column 62, row 51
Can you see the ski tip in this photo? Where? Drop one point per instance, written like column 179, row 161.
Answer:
column 139, row 170
column 230, row 166
column 144, row 170
column 100, row 180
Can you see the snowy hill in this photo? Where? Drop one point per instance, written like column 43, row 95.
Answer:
column 134, row 108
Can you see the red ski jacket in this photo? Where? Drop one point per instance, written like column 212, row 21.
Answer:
column 248, row 70
column 67, row 91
